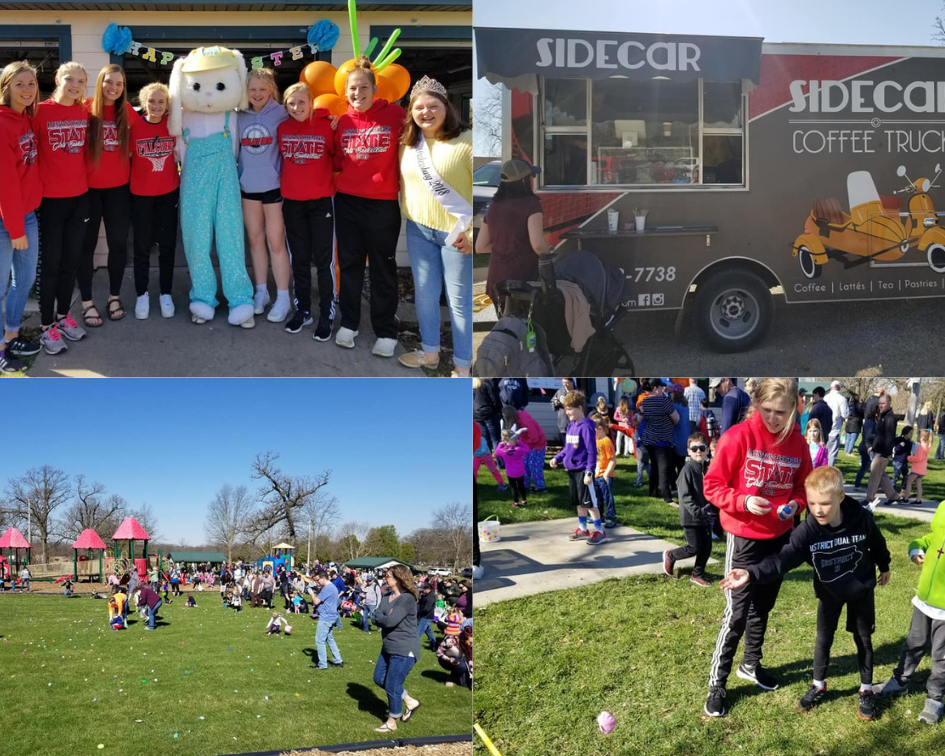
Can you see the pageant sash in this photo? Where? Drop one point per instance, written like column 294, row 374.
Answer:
column 450, row 200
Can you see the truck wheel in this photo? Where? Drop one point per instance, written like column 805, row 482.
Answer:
column 936, row 256
column 809, row 268
column 734, row 310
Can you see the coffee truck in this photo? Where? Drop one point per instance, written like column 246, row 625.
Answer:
column 722, row 172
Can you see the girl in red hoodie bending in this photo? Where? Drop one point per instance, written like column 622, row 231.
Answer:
column 367, row 214
column 756, row 479
column 108, row 167
column 306, row 143
column 60, row 125
column 20, row 195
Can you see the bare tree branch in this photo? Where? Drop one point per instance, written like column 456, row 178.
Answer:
column 35, row 496
column 283, row 497
column 351, row 539
column 455, row 522
column 227, row 517
column 91, row 509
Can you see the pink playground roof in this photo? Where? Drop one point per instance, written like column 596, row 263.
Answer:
column 89, row 540
column 130, row 528
column 13, row 539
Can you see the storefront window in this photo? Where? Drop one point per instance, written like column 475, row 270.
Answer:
column 565, row 160
column 566, row 102
column 643, row 133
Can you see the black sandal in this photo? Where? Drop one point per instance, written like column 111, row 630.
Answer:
column 113, row 311
column 97, row 316
column 409, row 713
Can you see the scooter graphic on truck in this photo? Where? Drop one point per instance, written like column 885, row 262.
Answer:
column 875, row 229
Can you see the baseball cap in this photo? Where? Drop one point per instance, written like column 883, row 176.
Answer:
column 715, row 382
column 516, row 170
column 677, row 388
column 657, row 382
column 835, row 385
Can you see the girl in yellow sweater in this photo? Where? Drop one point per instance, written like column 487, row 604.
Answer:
column 436, row 200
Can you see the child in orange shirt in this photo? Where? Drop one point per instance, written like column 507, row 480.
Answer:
column 603, row 476
column 920, row 464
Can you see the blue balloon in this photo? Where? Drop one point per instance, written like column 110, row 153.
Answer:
column 323, row 34
column 116, row 39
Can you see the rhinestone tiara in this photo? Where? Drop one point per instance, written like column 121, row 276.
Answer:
column 426, row 84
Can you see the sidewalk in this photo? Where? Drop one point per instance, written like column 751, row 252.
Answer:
column 535, row 557
column 175, row 347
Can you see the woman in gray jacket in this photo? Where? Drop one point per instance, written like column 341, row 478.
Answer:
column 396, row 616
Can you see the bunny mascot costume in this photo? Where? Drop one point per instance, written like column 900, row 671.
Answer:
column 207, row 88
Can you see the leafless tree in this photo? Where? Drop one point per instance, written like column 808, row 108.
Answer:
column 91, row 508
column 283, row 496
column 227, row 516
column 487, row 118
column 938, row 30
column 35, row 495
column 351, row 538
column 455, row 522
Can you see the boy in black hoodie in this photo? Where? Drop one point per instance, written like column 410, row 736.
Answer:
column 694, row 513
column 901, row 452
column 842, row 542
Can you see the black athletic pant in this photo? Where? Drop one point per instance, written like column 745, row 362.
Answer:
column 154, row 219
column 661, row 470
column 367, row 232
column 698, row 544
column 861, row 621
column 746, row 609
column 518, row 489
column 309, row 229
column 476, row 552
column 62, row 227
column 114, row 205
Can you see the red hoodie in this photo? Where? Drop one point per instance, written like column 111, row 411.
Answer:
column 153, row 166
column 20, row 189
column 367, row 151
column 113, row 169
column 60, row 135
column 307, row 149
column 748, row 463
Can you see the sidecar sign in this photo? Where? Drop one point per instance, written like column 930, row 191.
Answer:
column 504, row 54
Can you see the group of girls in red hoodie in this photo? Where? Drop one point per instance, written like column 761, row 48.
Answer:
column 92, row 159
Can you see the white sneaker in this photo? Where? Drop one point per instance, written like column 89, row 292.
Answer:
column 384, row 347
column 167, row 306
column 260, row 302
column 871, row 506
column 345, row 338
column 248, row 323
column 279, row 311
column 143, row 307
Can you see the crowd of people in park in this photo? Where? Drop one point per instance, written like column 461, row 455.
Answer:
column 298, row 179
column 745, row 473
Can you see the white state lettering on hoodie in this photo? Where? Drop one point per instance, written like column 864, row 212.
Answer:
column 300, row 148
column 362, row 142
column 772, row 473
column 66, row 135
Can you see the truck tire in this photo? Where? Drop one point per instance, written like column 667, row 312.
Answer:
column 733, row 309
column 809, row 268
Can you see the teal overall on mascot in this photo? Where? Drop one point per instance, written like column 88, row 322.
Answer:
column 207, row 88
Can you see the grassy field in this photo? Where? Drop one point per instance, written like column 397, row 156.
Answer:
column 641, row 647
column 196, row 685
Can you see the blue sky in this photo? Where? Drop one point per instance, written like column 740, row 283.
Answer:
column 837, row 21
column 397, row 448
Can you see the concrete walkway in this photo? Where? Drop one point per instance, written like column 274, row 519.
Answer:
column 534, row 557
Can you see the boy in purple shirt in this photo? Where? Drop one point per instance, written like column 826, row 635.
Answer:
column 580, row 460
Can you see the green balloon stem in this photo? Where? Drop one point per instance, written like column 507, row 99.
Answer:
column 388, row 60
column 353, row 22
column 371, row 46
column 390, row 43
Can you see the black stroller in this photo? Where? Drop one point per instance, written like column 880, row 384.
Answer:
column 605, row 288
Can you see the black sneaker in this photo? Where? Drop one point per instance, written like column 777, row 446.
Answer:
column 758, row 676
column 20, row 347
column 323, row 329
column 812, row 697
column 337, row 664
column 867, row 709
column 9, row 363
column 298, row 322
column 715, row 702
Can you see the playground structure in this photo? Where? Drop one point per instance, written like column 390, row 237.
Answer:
column 13, row 542
column 281, row 557
column 88, row 541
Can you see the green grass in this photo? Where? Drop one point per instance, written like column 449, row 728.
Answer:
column 641, row 647
column 70, row 683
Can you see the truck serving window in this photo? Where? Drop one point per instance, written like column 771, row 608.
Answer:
column 641, row 133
